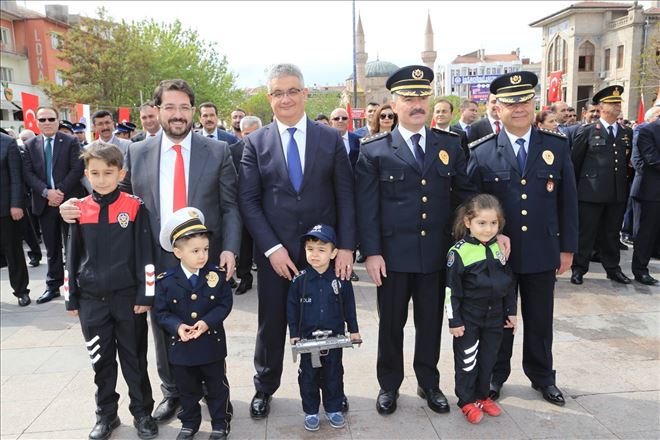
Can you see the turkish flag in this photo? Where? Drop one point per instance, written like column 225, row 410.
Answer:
column 30, row 106
column 554, row 91
column 640, row 112
column 350, row 117
column 124, row 114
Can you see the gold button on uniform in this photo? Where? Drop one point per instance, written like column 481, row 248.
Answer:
column 497, row 179
column 425, row 199
column 391, row 177
column 524, row 212
column 174, row 300
column 524, row 197
column 423, row 233
column 523, row 182
column 524, row 228
column 193, row 296
column 550, row 176
column 193, row 315
column 424, row 182
column 212, row 296
column 423, row 216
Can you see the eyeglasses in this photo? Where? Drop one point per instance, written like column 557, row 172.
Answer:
column 340, row 118
column 387, row 116
column 291, row 93
column 170, row 108
column 42, row 120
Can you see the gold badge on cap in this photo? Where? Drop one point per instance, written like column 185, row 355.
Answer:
column 192, row 214
column 548, row 157
column 515, row 79
column 444, row 157
column 616, row 92
column 212, row 279
column 417, row 74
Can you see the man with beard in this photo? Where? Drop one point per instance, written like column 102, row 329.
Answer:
column 236, row 117
column 104, row 126
column 174, row 169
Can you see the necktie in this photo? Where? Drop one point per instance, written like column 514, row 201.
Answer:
column 193, row 280
column 210, row 136
column 179, row 200
column 48, row 156
column 497, row 127
column 522, row 155
column 467, row 130
column 419, row 153
column 293, row 160
column 610, row 136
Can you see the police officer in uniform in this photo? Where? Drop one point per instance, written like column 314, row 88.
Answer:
column 599, row 160
column 406, row 181
column 530, row 171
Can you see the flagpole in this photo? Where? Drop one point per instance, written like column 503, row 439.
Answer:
column 355, row 104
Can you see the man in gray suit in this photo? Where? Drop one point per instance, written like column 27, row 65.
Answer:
column 104, row 125
column 151, row 175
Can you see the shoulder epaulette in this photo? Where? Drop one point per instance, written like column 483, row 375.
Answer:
column 459, row 243
column 478, row 142
column 165, row 274
column 136, row 198
column 446, row 132
column 301, row 273
column 374, row 137
column 558, row 134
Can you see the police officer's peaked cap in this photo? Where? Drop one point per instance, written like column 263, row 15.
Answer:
column 514, row 87
column 184, row 222
column 122, row 128
column 411, row 81
column 611, row 94
column 325, row 233
column 66, row 124
column 79, row 127
column 129, row 125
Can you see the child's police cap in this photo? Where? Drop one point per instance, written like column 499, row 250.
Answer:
column 325, row 233
column 184, row 222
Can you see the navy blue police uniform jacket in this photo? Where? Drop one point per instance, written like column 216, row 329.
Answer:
column 540, row 203
column 320, row 301
column 178, row 303
column 404, row 213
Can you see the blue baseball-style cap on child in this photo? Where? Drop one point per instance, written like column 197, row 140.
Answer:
column 325, row 233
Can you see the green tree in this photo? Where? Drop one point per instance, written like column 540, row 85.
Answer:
column 320, row 102
column 258, row 105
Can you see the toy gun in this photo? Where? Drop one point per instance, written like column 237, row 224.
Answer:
column 320, row 345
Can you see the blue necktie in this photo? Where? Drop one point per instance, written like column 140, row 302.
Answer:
column 467, row 130
column 419, row 153
column 48, row 155
column 193, row 280
column 610, row 134
column 522, row 155
column 293, row 160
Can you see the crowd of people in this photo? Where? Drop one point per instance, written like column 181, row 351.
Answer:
column 463, row 219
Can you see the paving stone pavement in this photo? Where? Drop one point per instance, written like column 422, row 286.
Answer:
column 606, row 353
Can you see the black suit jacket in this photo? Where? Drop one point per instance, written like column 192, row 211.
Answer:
column 11, row 175
column 273, row 212
column 68, row 168
column 480, row 129
column 354, row 144
column 464, row 139
column 646, row 158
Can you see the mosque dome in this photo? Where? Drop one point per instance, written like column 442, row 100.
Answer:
column 379, row 68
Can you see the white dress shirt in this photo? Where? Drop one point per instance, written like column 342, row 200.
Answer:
column 615, row 126
column 166, row 176
column 513, row 138
column 492, row 123
column 187, row 273
column 213, row 135
column 346, row 144
column 407, row 134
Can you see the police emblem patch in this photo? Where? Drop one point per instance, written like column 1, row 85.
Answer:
column 450, row 259
column 212, row 279
column 444, row 157
column 336, row 286
column 122, row 219
column 417, row 74
column 500, row 256
column 515, row 79
column 548, row 157
column 550, row 186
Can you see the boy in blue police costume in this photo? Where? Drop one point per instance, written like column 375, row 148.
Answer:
column 192, row 301
column 329, row 309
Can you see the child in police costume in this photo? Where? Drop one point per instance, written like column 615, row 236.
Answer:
column 480, row 301
column 192, row 301
column 318, row 300
column 108, row 253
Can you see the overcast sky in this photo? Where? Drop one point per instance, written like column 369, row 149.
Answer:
column 317, row 36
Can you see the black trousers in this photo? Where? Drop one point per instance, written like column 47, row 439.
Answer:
column 111, row 328
column 475, row 354
column 30, row 235
column 192, row 383
column 329, row 379
column 630, row 217
column 647, row 237
column 245, row 257
column 11, row 244
column 393, row 298
column 595, row 217
column 536, row 291
column 52, row 229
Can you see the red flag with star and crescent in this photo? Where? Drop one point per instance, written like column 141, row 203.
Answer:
column 30, row 105
column 554, row 91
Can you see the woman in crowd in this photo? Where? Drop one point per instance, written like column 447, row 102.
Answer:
column 547, row 120
column 384, row 120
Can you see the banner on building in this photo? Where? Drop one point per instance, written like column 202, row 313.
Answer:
column 30, row 105
column 82, row 115
column 554, row 91
column 479, row 92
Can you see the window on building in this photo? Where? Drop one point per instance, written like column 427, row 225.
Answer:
column 7, row 74
column 5, row 39
column 59, row 80
column 564, row 56
column 619, row 57
column 557, row 55
column 55, row 40
column 586, row 54
column 606, row 60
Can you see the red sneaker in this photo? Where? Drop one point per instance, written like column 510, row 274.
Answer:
column 489, row 407
column 473, row 413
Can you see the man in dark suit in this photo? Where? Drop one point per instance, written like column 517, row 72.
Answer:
column 468, row 109
column 599, row 160
column 52, row 169
column 208, row 116
column 369, row 113
column 339, row 120
column 531, row 173
column 407, row 183
column 149, row 120
column 646, row 190
column 442, row 114
column 294, row 174
column 181, row 167
column 11, row 213
column 488, row 124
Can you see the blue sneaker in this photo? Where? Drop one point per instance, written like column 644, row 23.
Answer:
column 312, row 422
column 336, row 419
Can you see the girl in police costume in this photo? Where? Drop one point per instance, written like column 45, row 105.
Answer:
column 480, row 301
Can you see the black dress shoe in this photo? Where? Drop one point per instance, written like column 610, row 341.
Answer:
column 34, row 262
column 619, row 277
column 146, row 427
column 576, row 278
column 435, row 399
column 47, row 296
column 644, row 279
column 494, row 392
column 24, row 299
column 186, row 434
column 344, row 404
column 166, row 409
column 219, row 434
column 260, row 405
column 245, row 285
column 386, row 401
column 103, row 429
column 354, row 277
column 359, row 258
column 232, row 282
column 551, row 393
